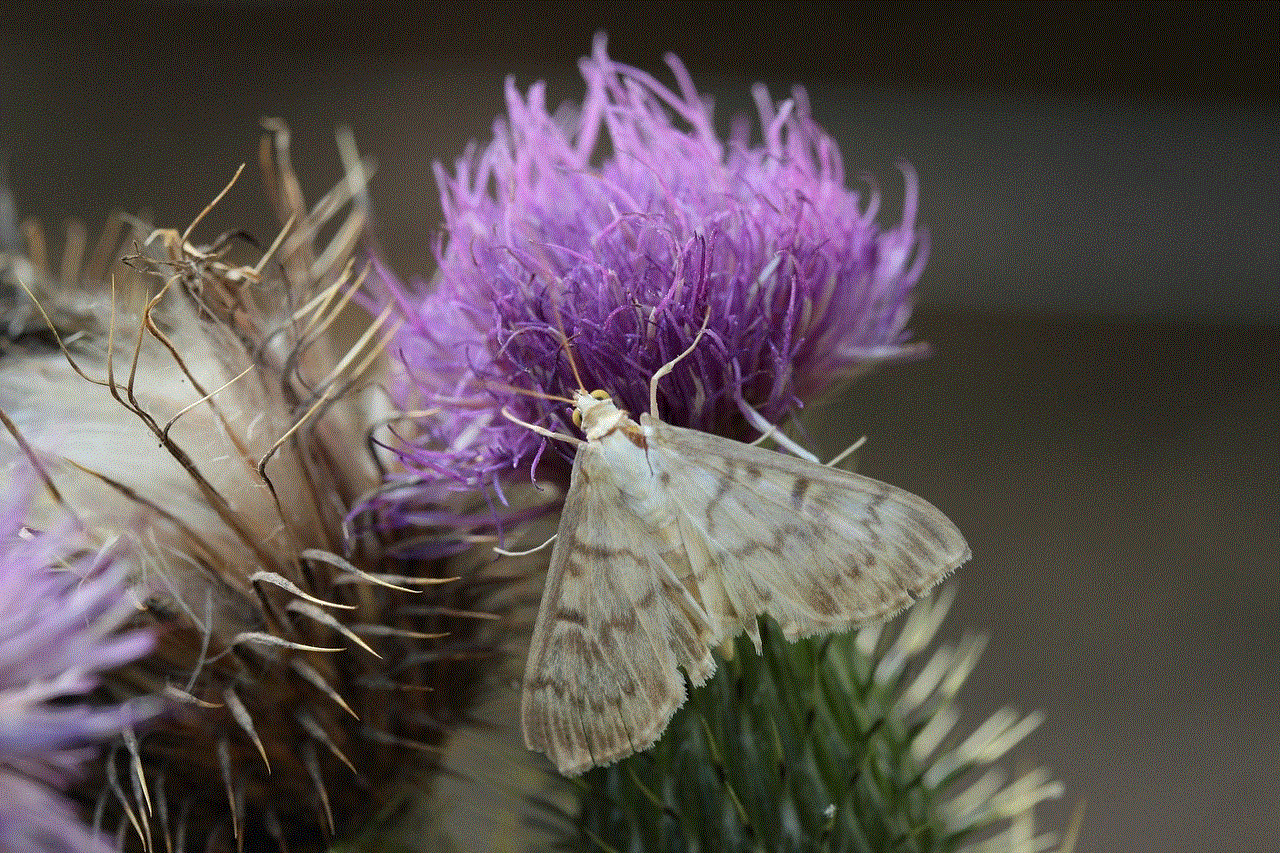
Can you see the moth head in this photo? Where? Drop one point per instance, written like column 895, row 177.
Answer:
column 594, row 413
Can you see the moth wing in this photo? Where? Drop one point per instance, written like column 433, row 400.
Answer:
column 817, row 548
column 602, row 678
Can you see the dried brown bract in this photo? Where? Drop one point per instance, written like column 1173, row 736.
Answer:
column 199, row 407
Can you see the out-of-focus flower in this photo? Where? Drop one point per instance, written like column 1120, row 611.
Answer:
column 606, row 236
column 203, row 410
column 61, row 608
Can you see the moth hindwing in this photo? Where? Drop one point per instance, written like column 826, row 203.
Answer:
column 673, row 541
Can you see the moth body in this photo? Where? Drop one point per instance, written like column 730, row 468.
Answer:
column 617, row 452
column 598, row 416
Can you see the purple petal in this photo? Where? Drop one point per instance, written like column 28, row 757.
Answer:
column 35, row 819
column 593, row 243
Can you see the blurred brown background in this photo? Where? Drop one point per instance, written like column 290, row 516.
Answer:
column 1102, row 186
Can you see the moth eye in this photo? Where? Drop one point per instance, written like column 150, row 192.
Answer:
column 600, row 395
column 577, row 418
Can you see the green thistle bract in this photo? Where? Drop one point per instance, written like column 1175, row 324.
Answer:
column 828, row 744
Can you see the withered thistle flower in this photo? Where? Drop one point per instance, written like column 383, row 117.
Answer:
column 609, row 233
column 203, row 412
column 60, row 611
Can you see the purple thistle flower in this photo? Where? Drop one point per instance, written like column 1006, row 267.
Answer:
column 799, row 286
column 59, row 612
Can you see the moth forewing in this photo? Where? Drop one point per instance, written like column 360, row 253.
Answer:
column 817, row 548
column 613, row 629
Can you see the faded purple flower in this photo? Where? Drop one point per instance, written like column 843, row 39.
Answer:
column 59, row 611
column 618, row 228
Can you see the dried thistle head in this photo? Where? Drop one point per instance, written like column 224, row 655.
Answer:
column 204, row 413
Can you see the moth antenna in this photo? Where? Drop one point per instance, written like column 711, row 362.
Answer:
column 573, row 365
column 541, row 395
column 568, row 351
column 568, row 348
column 670, row 365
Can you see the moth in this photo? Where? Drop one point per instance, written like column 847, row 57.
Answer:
column 674, row 540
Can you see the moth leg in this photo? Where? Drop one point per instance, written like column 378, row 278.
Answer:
column 767, row 430
column 543, row 431
column 505, row 553
column 843, row 454
column 670, row 365
column 772, row 431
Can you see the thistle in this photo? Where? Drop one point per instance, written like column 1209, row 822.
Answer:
column 303, row 545
column 585, row 249
column 838, row 744
column 601, row 238
column 199, row 410
column 61, row 608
